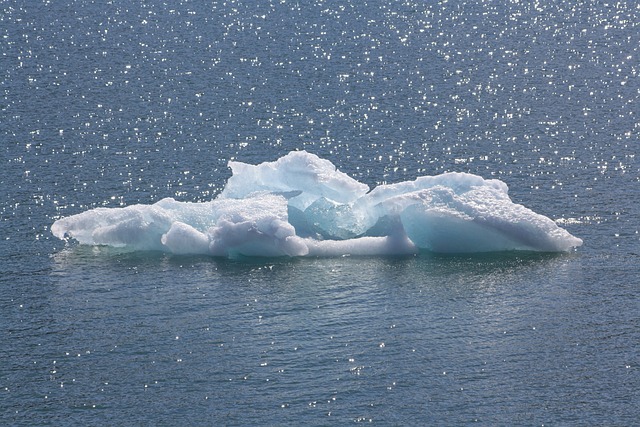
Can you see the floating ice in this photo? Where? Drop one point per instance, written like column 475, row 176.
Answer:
column 300, row 205
column 303, row 176
column 223, row 227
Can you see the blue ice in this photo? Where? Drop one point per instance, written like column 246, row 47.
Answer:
column 301, row 205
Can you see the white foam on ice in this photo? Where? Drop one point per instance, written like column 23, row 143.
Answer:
column 301, row 205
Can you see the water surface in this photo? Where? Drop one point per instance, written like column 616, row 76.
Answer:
column 111, row 104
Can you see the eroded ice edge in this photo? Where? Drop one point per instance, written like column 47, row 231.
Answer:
column 300, row 205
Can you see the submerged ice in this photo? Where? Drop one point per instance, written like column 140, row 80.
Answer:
column 301, row 205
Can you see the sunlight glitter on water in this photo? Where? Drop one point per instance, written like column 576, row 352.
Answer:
column 109, row 104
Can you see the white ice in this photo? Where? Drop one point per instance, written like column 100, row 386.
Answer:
column 301, row 205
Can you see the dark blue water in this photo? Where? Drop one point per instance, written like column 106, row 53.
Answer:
column 116, row 103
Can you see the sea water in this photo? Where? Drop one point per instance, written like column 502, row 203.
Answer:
column 111, row 105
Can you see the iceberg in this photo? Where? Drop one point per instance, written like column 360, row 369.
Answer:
column 302, row 205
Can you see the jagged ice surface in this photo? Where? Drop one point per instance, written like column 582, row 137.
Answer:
column 300, row 205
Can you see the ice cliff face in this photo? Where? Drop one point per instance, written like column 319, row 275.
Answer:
column 300, row 205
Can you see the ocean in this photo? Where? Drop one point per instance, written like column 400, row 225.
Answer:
column 113, row 104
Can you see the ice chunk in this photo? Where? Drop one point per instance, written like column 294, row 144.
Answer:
column 482, row 219
column 183, row 239
column 333, row 220
column 459, row 182
column 300, row 205
column 253, row 226
column 298, row 171
column 138, row 226
column 388, row 245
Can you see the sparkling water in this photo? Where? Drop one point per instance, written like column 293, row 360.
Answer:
column 112, row 104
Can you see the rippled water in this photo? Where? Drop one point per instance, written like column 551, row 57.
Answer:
column 111, row 104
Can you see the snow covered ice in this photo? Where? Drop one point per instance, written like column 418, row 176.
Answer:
column 300, row 205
